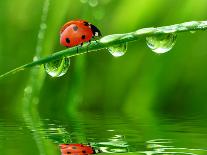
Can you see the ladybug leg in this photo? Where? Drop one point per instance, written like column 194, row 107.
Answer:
column 80, row 46
column 77, row 49
column 95, row 39
column 89, row 42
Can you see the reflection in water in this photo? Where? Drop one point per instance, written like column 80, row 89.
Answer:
column 107, row 133
column 115, row 144
column 115, row 134
column 77, row 149
column 161, row 146
column 156, row 146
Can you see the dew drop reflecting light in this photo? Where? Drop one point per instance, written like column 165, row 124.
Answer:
column 57, row 68
column 118, row 50
column 161, row 43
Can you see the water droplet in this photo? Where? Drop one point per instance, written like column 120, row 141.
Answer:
column 35, row 58
column 93, row 3
column 57, row 68
column 28, row 90
column 161, row 43
column 118, row 50
column 43, row 26
column 40, row 35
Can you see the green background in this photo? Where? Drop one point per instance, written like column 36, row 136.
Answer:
column 139, row 84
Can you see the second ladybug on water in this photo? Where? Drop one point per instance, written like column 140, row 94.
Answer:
column 76, row 32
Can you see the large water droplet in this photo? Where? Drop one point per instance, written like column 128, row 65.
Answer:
column 161, row 43
column 57, row 68
column 118, row 50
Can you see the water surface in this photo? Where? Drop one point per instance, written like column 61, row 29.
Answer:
column 110, row 132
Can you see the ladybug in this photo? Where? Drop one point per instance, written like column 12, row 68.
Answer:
column 76, row 32
column 76, row 149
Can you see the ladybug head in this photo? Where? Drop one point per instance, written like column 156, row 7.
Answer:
column 96, row 31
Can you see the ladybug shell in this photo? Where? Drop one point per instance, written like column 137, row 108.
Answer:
column 78, row 149
column 77, row 32
column 79, row 22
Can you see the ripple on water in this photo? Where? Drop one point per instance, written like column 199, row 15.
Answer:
column 113, row 134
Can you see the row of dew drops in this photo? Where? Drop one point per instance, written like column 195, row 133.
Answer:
column 160, row 43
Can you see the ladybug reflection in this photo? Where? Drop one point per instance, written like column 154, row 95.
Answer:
column 76, row 149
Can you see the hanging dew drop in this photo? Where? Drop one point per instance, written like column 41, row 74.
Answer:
column 161, row 43
column 118, row 50
column 57, row 68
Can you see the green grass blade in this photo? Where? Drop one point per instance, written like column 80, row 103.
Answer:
column 114, row 39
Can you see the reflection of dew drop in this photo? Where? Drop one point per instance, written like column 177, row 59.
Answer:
column 110, row 130
column 119, row 150
column 161, row 43
column 192, row 32
column 57, row 68
column 118, row 50
column 93, row 3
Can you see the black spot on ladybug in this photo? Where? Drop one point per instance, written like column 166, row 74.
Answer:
column 84, row 151
column 68, row 152
column 67, row 40
column 86, row 23
column 74, row 147
column 75, row 28
column 83, row 37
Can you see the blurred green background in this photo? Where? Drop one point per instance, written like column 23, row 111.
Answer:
column 139, row 84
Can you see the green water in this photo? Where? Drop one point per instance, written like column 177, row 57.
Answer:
column 115, row 133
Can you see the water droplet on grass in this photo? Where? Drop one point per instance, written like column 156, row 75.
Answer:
column 57, row 68
column 118, row 50
column 161, row 43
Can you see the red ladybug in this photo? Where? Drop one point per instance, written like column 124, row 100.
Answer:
column 76, row 149
column 76, row 32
